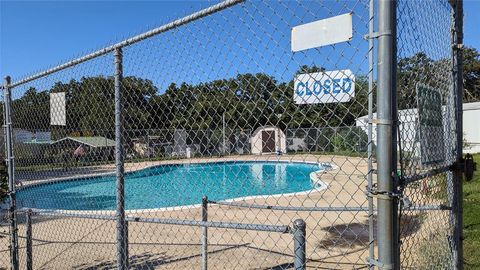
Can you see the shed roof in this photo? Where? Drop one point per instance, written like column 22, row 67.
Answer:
column 265, row 127
column 96, row 141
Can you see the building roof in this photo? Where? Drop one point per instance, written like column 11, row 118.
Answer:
column 263, row 128
column 97, row 141
column 36, row 141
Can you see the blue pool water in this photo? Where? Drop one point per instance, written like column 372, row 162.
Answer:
column 173, row 185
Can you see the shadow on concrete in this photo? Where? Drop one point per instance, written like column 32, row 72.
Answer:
column 348, row 235
column 149, row 260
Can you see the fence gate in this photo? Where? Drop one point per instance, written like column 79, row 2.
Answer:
column 246, row 135
column 430, row 137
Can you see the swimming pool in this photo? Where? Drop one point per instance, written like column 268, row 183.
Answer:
column 173, row 185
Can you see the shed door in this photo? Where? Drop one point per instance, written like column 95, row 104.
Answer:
column 268, row 141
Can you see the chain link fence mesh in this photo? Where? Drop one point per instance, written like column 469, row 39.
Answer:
column 50, row 157
column 211, row 133
column 427, row 134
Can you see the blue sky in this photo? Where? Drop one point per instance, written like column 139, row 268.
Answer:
column 39, row 34
column 35, row 35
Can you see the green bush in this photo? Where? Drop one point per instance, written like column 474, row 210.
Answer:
column 342, row 139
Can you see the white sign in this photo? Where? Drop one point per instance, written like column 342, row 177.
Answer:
column 324, row 87
column 58, row 115
column 43, row 136
column 22, row 136
column 430, row 121
column 323, row 32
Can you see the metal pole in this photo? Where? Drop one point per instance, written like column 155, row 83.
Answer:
column 451, row 145
column 29, row 240
column 335, row 139
column 299, row 237
column 126, row 243
column 371, row 238
column 223, row 132
column 119, row 162
column 457, row 175
column 12, row 216
column 180, row 222
column 395, row 143
column 385, row 128
column 204, row 233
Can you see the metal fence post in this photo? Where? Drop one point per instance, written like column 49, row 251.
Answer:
column 204, row 233
column 12, row 216
column 335, row 139
column 371, row 237
column 119, row 162
column 385, row 134
column 299, row 238
column 29, row 240
column 126, row 243
column 457, row 61
column 223, row 134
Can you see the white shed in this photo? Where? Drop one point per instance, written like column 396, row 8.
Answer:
column 267, row 140
column 471, row 128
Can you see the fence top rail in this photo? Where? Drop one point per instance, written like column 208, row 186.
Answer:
column 179, row 222
column 325, row 208
column 166, row 27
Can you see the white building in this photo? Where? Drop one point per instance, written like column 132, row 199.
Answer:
column 471, row 127
column 409, row 125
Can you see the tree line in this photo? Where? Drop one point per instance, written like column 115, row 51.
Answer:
column 246, row 101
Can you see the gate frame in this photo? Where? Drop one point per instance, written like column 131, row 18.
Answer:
column 9, row 158
column 457, row 68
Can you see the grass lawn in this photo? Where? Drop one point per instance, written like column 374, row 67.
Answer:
column 471, row 220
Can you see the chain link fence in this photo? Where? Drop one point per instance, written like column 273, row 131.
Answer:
column 194, row 145
column 427, row 133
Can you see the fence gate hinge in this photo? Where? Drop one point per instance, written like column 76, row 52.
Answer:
column 457, row 46
column 379, row 264
column 379, row 121
column 469, row 167
column 406, row 203
column 385, row 195
column 377, row 35
column 466, row 165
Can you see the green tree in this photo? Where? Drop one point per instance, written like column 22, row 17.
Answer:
column 471, row 74
column 91, row 104
column 31, row 111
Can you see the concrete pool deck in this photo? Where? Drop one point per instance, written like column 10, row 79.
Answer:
column 335, row 240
